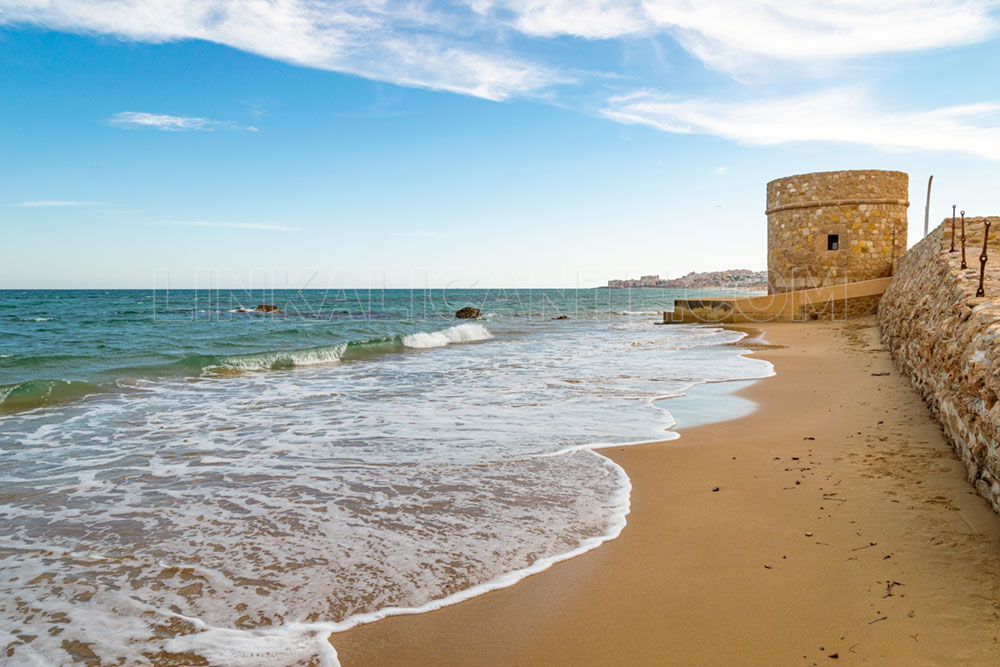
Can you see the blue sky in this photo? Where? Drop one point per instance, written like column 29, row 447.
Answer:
column 513, row 143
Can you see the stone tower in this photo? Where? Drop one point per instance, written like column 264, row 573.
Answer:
column 833, row 227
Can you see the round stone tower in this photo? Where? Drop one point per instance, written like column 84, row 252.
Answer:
column 833, row 227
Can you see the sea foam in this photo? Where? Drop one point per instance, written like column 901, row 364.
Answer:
column 244, row 517
column 462, row 333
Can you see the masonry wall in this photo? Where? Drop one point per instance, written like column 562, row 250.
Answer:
column 866, row 209
column 948, row 342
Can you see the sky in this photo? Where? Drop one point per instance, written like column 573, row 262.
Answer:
column 477, row 143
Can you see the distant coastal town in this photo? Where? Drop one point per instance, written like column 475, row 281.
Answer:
column 730, row 279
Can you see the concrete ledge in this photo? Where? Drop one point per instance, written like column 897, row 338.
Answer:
column 835, row 301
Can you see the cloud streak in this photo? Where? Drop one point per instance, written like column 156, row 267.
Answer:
column 51, row 203
column 256, row 226
column 167, row 123
column 465, row 46
column 499, row 50
column 843, row 115
column 734, row 35
column 399, row 41
column 417, row 235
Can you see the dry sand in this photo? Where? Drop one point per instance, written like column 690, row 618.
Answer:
column 840, row 482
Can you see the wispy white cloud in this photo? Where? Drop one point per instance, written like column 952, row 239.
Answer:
column 159, row 121
column 591, row 19
column 260, row 226
column 399, row 41
column 734, row 35
column 846, row 115
column 45, row 203
column 466, row 47
column 463, row 47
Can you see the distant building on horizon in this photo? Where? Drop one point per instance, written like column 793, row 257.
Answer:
column 731, row 279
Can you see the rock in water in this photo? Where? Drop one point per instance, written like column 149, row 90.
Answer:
column 561, row 317
column 467, row 313
column 265, row 308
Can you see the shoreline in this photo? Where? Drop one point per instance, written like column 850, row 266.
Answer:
column 621, row 501
column 596, row 608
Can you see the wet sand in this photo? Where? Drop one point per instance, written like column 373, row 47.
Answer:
column 843, row 529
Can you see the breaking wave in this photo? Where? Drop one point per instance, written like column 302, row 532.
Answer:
column 39, row 393
column 463, row 333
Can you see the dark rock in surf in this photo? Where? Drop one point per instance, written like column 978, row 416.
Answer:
column 561, row 317
column 467, row 313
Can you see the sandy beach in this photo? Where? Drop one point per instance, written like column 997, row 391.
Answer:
column 842, row 529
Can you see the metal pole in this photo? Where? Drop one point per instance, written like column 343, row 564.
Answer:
column 952, row 228
column 964, row 265
column 982, row 259
column 892, row 267
column 927, row 209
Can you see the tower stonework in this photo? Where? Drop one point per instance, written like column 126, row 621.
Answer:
column 834, row 227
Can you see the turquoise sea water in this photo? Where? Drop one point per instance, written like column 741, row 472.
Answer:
column 59, row 345
column 184, row 479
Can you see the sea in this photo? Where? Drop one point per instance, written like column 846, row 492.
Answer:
column 186, row 480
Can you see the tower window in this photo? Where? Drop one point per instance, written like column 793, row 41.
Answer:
column 833, row 241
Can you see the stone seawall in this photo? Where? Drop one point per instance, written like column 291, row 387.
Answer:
column 947, row 341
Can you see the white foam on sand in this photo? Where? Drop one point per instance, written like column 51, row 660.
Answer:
column 294, row 643
column 224, row 513
column 298, row 642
